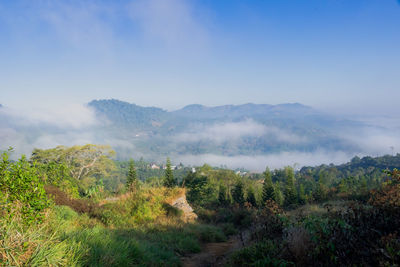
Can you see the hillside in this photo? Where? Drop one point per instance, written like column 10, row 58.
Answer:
column 276, row 135
column 249, row 129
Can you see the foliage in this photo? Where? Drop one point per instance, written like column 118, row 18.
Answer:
column 290, row 190
column 58, row 174
column 82, row 161
column 37, row 245
column 266, row 253
column 169, row 180
column 223, row 196
column 200, row 191
column 19, row 183
column 251, row 198
column 237, row 192
column 268, row 187
column 132, row 180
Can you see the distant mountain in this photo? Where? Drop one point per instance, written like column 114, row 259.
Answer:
column 237, row 135
column 128, row 115
column 247, row 129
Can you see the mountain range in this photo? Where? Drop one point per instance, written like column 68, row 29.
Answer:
column 196, row 132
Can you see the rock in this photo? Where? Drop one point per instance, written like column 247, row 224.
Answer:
column 182, row 204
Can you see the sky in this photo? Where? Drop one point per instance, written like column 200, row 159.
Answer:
column 337, row 55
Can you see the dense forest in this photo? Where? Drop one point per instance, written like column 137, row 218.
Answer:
column 79, row 206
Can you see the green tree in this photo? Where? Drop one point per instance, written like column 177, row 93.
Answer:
column 251, row 198
column 278, row 194
column 302, row 195
column 320, row 191
column 268, row 187
column 237, row 193
column 200, row 191
column 290, row 189
column 131, row 179
column 223, row 195
column 169, row 180
column 82, row 161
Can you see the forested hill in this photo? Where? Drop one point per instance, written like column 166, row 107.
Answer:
column 367, row 168
column 292, row 132
column 123, row 112
column 229, row 130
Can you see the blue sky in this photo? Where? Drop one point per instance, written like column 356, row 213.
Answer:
column 337, row 55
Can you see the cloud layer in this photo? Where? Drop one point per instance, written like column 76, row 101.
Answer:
column 233, row 131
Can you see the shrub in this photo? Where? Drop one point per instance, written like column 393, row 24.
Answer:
column 266, row 253
column 207, row 233
column 19, row 183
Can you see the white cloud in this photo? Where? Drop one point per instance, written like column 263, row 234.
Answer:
column 80, row 23
column 375, row 141
column 273, row 161
column 173, row 22
column 231, row 131
column 69, row 116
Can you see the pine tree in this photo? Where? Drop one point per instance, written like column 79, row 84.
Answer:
column 237, row 193
column 169, row 180
column 302, row 195
column 251, row 198
column 278, row 194
column 268, row 187
column 290, row 189
column 131, row 179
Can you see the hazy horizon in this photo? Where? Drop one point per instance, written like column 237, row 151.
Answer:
column 338, row 57
column 331, row 55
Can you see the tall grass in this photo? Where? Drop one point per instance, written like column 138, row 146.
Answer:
column 35, row 245
column 131, row 232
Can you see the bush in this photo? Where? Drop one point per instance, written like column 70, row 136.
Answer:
column 266, row 253
column 207, row 233
column 19, row 183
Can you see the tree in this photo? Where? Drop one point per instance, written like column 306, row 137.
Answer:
column 131, row 179
column 251, row 198
column 290, row 189
column 278, row 194
column 268, row 187
column 320, row 193
column 169, row 180
column 302, row 195
column 222, row 195
column 237, row 193
column 82, row 161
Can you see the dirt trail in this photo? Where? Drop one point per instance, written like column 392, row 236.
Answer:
column 214, row 254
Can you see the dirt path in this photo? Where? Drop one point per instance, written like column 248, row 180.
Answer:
column 213, row 254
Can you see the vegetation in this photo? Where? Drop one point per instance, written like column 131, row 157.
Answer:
column 323, row 216
column 169, row 180
column 132, row 180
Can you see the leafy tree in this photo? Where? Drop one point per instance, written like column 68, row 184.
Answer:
column 237, row 193
column 82, row 161
column 290, row 190
column 268, row 187
column 169, row 180
column 131, row 179
column 319, row 193
column 251, row 198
